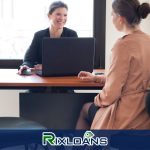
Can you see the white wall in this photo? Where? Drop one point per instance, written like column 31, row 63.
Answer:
column 9, row 103
column 112, row 34
column 9, row 100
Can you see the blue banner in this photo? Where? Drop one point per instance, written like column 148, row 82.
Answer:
column 75, row 139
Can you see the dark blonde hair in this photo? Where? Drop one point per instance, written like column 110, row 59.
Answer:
column 132, row 10
column 55, row 5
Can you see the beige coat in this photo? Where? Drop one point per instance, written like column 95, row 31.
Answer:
column 126, row 83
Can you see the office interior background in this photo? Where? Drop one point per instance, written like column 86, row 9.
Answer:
column 20, row 19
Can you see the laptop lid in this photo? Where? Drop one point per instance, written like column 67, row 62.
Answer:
column 67, row 56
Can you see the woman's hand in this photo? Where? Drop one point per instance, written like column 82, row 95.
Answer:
column 86, row 76
column 22, row 68
column 38, row 67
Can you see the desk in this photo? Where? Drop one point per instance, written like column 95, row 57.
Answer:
column 10, row 79
column 53, row 110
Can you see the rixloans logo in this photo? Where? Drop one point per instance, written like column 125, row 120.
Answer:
column 87, row 139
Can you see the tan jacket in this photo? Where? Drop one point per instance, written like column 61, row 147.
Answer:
column 126, row 83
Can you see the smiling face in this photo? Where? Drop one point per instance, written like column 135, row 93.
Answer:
column 58, row 17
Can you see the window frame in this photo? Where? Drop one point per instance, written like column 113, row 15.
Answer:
column 10, row 63
column 99, row 31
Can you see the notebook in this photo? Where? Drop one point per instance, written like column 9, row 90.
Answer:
column 67, row 56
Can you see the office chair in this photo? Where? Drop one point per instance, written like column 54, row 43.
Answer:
column 20, row 126
column 147, row 102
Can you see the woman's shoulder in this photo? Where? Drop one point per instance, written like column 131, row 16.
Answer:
column 44, row 32
column 131, row 41
column 123, row 44
column 68, row 29
column 69, row 32
column 127, row 39
column 134, row 37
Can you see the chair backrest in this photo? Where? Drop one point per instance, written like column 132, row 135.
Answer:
column 147, row 102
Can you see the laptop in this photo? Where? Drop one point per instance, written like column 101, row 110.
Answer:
column 67, row 56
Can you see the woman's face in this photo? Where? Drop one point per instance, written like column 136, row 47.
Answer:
column 58, row 18
column 117, row 21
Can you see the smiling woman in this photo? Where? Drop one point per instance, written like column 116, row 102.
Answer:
column 19, row 20
column 57, row 15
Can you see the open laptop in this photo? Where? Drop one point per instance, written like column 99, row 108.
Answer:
column 67, row 56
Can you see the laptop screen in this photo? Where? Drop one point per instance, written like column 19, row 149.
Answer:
column 67, row 56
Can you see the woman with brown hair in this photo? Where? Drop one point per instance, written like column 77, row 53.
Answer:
column 121, row 103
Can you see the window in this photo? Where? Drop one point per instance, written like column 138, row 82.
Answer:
column 20, row 19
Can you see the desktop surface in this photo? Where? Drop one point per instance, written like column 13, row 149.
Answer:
column 10, row 78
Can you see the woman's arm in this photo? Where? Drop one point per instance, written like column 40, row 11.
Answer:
column 31, row 54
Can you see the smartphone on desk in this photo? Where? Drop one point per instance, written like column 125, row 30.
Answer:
column 99, row 73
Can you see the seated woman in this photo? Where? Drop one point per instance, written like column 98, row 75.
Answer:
column 33, row 58
column 58, row 17
column 121, row 103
